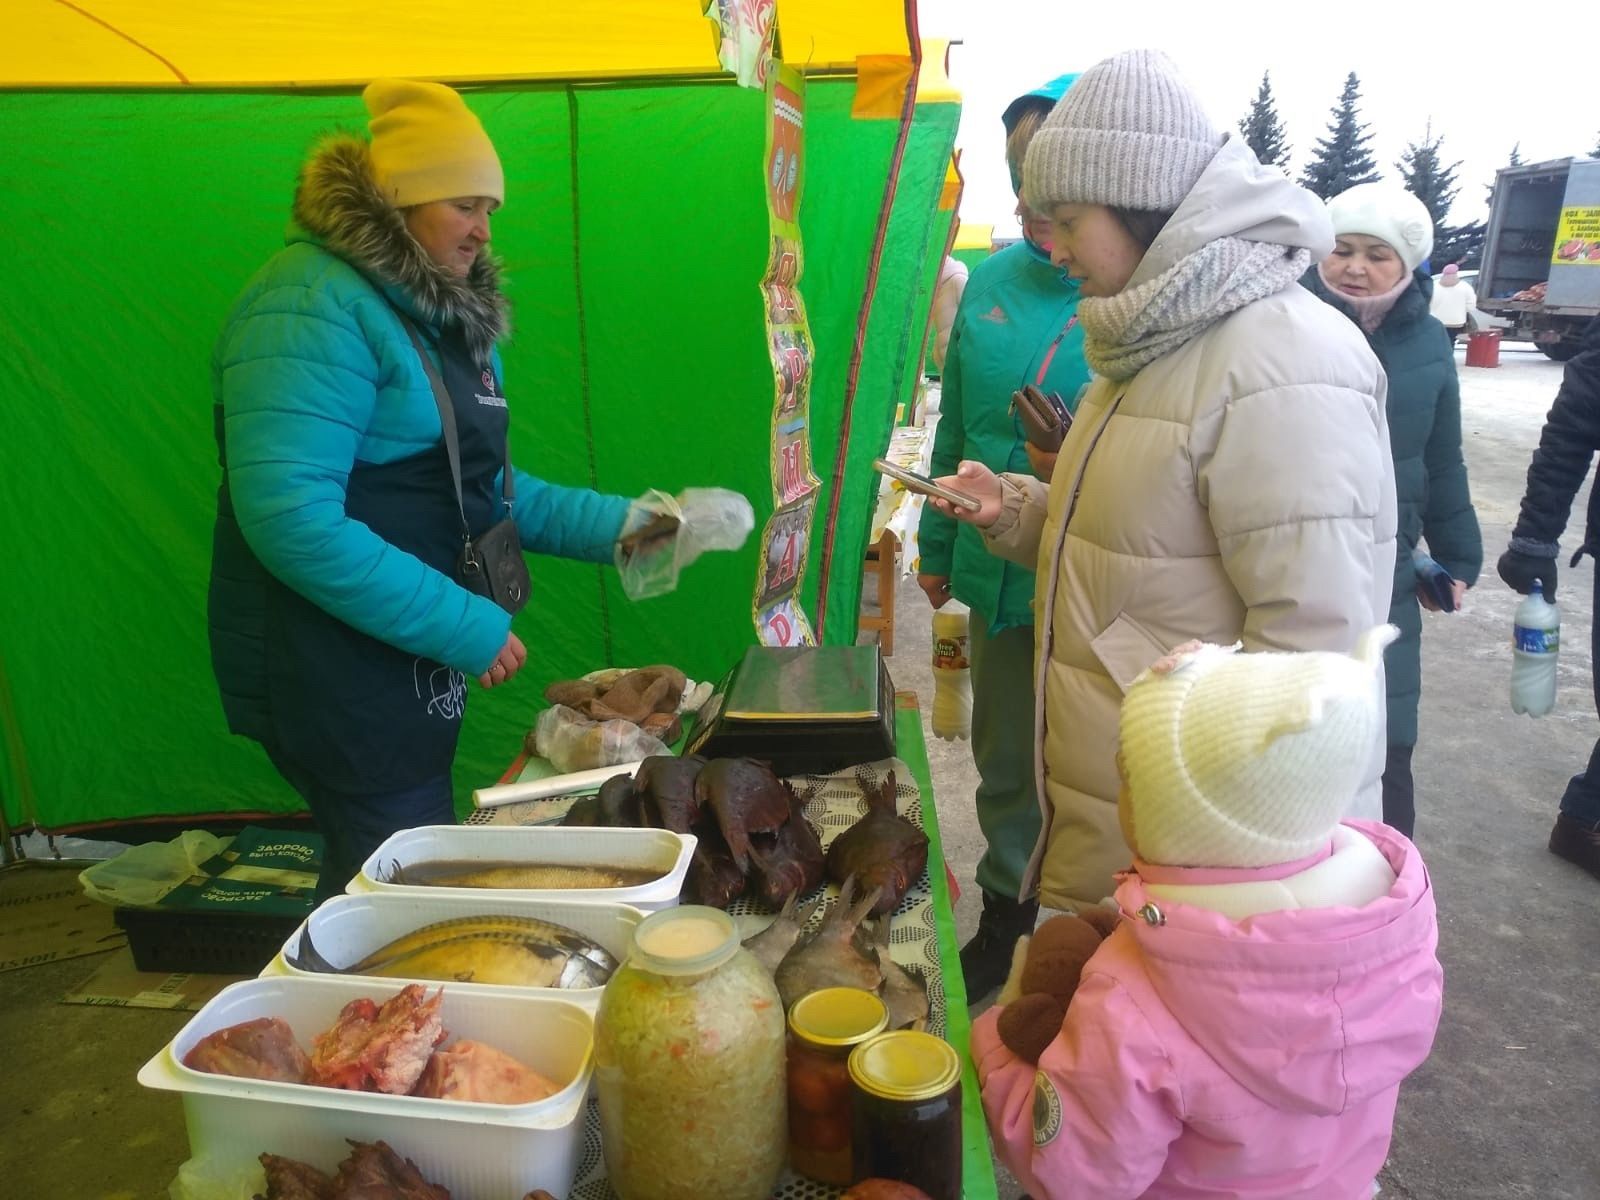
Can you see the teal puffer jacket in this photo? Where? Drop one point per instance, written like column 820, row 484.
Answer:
column 313, row 375
column 1430, row 475
column 1017, row 324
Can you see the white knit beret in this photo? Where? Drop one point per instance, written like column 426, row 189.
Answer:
column 1248, row 760
column 1388, row 212
column 1129, row 134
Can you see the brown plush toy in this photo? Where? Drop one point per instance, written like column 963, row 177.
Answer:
column 1044, row 974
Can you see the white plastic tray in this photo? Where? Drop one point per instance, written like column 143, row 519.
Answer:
column 477, row 1151
column 345, row 929
column 487, row 843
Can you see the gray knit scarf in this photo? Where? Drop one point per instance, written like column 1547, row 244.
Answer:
column 1126, row 332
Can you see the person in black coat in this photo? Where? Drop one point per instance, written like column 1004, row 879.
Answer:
column 1567, row 444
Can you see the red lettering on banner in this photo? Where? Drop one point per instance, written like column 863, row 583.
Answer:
column 790, row 566
column 791, row 472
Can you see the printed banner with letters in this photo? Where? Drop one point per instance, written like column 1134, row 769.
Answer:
column 780, row 619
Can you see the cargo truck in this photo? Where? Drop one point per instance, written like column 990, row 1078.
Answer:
column 1541, row 253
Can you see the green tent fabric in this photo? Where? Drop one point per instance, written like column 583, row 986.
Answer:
column 891, row 365
column 634, row 237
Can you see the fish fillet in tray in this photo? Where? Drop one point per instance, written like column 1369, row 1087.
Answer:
column 477, row 1151
column 346, row 929
column 438, row 851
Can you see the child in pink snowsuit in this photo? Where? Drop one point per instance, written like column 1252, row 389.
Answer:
column 1244, row 1031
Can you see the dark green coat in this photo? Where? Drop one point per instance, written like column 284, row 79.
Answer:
column 1430, row 478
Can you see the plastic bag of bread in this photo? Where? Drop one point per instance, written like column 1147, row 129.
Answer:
column 572, row 742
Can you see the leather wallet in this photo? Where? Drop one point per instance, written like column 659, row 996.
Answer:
column 1045, row 419
column 1435, row 580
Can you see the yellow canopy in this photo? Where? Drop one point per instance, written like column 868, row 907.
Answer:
column 320, row 43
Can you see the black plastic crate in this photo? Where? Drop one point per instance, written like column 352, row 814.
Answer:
column 203, row 943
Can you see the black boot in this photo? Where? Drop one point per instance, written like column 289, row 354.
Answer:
column 1571, row 839
column 986, row 959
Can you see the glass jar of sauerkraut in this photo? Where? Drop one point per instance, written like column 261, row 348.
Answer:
column 689, row 1064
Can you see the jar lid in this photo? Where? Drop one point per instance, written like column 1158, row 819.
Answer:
column 837, row 1016
column 689, row 939
column 905, row 1065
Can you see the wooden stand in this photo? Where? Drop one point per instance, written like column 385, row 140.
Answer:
column 883, row 556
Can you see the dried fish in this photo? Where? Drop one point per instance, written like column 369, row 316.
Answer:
column 520, row 876
column 839, row 954
column 518, row 951
column 778, row 938
column 882, row 850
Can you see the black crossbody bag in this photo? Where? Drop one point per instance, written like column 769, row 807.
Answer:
column 491, row 564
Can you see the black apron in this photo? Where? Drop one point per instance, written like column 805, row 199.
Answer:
column 355, row 713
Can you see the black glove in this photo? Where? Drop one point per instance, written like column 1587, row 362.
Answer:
column 1520, row 570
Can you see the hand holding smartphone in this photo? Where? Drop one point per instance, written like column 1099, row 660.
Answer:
column 925, row 486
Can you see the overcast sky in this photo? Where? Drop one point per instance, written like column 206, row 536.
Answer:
column 1412, row 68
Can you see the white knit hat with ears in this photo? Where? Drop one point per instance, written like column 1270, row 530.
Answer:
column 1248, row 760
column 1388, row 212
column 1129, row 133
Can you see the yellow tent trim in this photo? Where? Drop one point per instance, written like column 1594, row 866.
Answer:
column 950, row 192
column 933, row 80
column 325, row 43
column 881, row 83
column 974, row 237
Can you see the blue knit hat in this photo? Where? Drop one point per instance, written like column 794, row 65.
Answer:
column 1048, row 92
column 1043, row 97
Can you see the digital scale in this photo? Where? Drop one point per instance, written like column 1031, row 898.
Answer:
column 807, row 710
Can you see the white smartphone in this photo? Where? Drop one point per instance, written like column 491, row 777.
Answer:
column 921, row 483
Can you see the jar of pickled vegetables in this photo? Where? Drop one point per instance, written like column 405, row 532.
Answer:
column 906, row 1112
column 824, row 1026
column 689, row 1064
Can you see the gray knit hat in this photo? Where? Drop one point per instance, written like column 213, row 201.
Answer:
column 1129, row 134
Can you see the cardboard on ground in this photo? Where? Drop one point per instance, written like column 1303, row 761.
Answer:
column 45, row 917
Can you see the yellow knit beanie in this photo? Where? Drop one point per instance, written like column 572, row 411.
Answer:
column 1248, row 760
column 428, row 145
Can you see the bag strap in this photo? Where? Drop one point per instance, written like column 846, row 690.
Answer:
column 447, row 419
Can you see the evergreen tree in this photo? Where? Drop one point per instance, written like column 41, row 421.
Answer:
column 1263, row 131
column 1426, row 177
column 1459, row 244
column 1343, row 159
column 1595, row 153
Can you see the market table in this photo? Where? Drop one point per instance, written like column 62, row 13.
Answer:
column 924, row 936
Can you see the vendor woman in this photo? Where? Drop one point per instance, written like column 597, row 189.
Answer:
column 342, row 635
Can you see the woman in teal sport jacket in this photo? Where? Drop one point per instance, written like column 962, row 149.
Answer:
column 1017, row 324
column 341, row 636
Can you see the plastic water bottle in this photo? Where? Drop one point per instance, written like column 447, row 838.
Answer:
column 952, row 673
column 1535, row 641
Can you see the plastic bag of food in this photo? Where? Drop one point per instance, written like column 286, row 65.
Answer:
column 572, row 742
column 141, row 875
column 663, row 534
column 218, row 1178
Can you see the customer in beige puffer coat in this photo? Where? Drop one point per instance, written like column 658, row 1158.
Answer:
column 1228, row 475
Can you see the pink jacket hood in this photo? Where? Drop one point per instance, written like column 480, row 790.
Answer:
column 1311, row 1010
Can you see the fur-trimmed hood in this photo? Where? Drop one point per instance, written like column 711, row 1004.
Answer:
column 338, row 202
